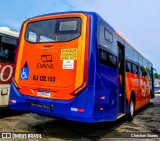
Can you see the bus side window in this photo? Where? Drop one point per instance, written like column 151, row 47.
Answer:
column 134, row 69
column 144, row 73
column 112, row 60
column 103, row 56
column 128, row 66
column 107, row 58
column 149, row 72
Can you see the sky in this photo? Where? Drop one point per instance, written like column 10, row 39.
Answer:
column 138, row 21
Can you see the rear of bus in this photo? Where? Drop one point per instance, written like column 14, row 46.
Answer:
column 51, row 74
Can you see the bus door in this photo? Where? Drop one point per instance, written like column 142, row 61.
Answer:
column 121, row 70
column 152, row 83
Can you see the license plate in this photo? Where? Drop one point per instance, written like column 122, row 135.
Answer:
column 42, row 93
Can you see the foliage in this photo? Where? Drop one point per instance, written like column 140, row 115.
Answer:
column 156, row 75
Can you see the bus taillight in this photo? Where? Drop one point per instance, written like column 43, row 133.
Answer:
column 79, row 89
column 81, row 110
column 12, row 101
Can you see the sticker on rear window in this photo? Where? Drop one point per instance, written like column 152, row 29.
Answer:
column 68, row 64
column 69, row 54
column 24, row 73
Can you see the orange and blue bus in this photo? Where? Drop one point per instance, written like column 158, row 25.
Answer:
column 8, row 45
column 75, row 66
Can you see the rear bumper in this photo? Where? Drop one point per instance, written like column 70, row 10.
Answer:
column 65, row 109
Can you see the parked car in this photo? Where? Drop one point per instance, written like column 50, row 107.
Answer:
column 156, row 89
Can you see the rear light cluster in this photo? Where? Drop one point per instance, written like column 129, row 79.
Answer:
column 79, row 89
column 102, row 97
column 85, row 84
column 81, row 110
column 12, row 101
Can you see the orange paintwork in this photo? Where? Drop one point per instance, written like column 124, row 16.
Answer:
column 66, row 80
column 141, row 88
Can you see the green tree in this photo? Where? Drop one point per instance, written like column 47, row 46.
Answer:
column 156, row 75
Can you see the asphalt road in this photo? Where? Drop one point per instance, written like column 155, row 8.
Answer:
column 146, row 123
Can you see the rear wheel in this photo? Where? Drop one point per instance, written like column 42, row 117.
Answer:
column 131, row 108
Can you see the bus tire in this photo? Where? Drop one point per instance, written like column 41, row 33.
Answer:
column 131, row 108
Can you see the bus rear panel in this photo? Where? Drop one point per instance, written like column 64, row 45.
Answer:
column 52, row 66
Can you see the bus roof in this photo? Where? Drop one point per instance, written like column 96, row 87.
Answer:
column 8, row 31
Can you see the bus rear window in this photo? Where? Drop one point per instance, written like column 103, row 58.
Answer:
column 55, row 30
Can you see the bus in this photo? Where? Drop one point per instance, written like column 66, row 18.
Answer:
column 8, row 44
column 75, row 66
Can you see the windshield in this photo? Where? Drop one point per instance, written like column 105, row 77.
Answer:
column 7, row 48
column 55, row 30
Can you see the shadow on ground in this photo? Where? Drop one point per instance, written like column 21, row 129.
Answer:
column 6, row 112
